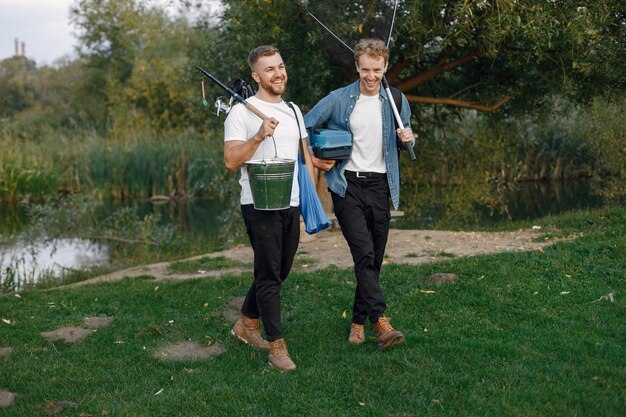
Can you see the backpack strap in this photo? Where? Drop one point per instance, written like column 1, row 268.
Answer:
column 301, row 149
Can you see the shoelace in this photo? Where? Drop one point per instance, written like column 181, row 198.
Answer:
column 280, row 351
column 358, row 331
column 384, row 324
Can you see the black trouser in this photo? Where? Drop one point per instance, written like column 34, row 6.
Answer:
column 274, row 235
column 363, row 215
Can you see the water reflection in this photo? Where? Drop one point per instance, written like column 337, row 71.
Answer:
column 197, row 219
column 27, row 263
column 525, row 201
column 538, row 199
column 215, row 222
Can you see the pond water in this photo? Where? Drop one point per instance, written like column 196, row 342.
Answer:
column 27, row 262
column 527, row 201
column 211, row 220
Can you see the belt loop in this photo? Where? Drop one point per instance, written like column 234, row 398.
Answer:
column 359, row 176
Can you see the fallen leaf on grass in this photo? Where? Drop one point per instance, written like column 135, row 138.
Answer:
column 362, row 403
column 564, row 292
column 18, row 296
column 7, row 321
column 159, row 392
column 344, row 314
column 427, row 291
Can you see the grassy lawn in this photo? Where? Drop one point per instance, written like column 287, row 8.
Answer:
column 205, row 263
column 520, row 334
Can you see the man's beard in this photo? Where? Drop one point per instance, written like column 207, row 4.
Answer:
column 275, row 89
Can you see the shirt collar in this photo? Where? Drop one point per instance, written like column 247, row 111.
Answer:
column 355, row 90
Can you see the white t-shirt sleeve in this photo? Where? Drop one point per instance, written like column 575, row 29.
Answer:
column 235, row 126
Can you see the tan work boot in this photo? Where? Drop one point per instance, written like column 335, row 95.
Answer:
column 387, row 335
column 357, row 334
column 249, row 332
column 279, row 357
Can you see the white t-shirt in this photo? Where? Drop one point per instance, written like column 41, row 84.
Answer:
column 241, row 124
column 366, row 124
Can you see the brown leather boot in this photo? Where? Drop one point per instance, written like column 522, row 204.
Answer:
column 357, row 334
column 279, row 357
column 249, row 332
column 387, row 335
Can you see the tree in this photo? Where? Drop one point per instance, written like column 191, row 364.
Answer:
column 17, row 93
column 135, row 64
column 478, row 54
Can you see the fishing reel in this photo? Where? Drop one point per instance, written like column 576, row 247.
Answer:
column 221, row 106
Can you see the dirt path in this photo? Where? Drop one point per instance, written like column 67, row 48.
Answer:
column 329, row 248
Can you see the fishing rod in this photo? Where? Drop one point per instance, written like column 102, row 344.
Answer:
column 234, row 94
column 384, row 82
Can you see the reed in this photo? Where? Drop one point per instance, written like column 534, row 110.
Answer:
column 139, row 166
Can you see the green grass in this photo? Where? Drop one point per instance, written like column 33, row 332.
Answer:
column 205, row 263
column 520, row 334
column 180, row 163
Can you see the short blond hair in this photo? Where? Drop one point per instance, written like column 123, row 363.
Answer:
column 261, row 51
column 372, row 47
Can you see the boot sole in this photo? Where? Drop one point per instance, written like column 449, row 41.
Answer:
column 280, row 370
column 391, row 342
column 241, row 339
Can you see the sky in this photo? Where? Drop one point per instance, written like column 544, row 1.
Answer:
column 43, row 25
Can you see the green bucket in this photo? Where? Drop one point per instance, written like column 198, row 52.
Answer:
column 270, row 182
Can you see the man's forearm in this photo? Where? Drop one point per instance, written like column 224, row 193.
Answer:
column 236, row 153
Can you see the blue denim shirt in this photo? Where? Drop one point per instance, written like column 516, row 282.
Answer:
column 335, row 110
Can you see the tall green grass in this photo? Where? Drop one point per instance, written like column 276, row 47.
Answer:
column 172, row 165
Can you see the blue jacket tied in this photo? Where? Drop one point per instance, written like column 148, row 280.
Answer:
column 335, row 110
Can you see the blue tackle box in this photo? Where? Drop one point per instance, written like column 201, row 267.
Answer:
column 331, row 144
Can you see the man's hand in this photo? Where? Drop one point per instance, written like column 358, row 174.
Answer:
column 406, row 134
column 323, row 164
column 267, row 129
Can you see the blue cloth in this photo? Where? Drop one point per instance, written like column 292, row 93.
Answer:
column 313, row 213
column 335, row 110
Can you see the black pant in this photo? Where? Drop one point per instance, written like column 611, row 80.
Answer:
column 274, row 236
column 363, row 215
